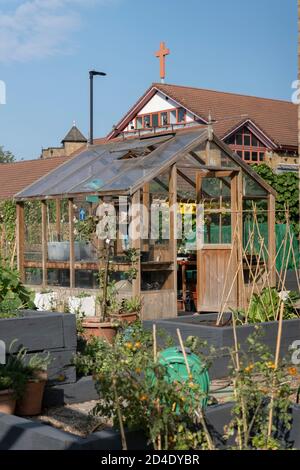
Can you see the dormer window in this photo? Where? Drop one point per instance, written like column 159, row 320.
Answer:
column 247, row 146
column 161, row 118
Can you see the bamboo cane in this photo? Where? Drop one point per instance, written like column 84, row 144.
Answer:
column 155, row 360
column 277, row 353
column 120, row 418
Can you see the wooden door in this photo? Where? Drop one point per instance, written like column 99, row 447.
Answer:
column 216, row 253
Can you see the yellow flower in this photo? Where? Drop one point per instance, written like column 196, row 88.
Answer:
column 174, row 406
column 143, row 398
column 270, row 365
column 128, row 345
column 138, row 370
column 292, row 371
column 249, row 368
column 138, row 344
column 192, row 385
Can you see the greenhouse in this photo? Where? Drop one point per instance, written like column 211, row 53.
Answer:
column 200, row 222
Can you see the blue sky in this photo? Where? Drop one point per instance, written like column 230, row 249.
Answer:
column 48, row 46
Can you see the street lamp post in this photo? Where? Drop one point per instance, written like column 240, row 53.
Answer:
column 92, row 73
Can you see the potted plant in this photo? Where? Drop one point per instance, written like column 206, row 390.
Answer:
column 13, row 379
column 130, row 310
column 101, row 326
column 7, row 394
column 30, row 404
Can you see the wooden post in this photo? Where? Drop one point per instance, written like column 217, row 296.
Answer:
column 71, row 238
column 146, row 213
column 199, row 176
column 271, row 240
column 237, row 235
column 58, row 218
column 173, row 233
column 44, row 241
column 20, row 240
column 136, row 238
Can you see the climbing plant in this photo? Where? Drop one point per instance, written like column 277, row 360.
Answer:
column 287, row 187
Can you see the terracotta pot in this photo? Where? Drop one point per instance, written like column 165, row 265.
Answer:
column 93, row 327
column 31, row 402
column 126, row 317
column 7, row 402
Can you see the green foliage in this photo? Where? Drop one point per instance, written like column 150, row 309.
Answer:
column 13, row 294
column 132, row 305
column 166, row 412
column 256, row 380
column 265, row 307
column 287, row 187
column 6, row 156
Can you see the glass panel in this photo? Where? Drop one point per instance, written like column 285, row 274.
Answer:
column 255, row 142
column 247, row 140
column 240, row 153
column 154, row 120
column 147, row 120
column 139, row 122
column 239, row 139
column 181, row 114
column 261, row 156
column 173, row 118
column 247, row 156
column 254, row 156
column 217, row 157
column 86, row 279
column 230, row 140
column 33, row 276
column 58, row 277
column 217, row 228
column 33, row 231
column 252, row 188
column 163, row 119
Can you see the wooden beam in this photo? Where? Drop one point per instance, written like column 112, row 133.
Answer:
column 44, row 242
column 71, row 239
column 58, row 218
column 271, row 239
column 237, row 236
column 20, row 240
column 136, row 238
column 146, row 213
column 173, row 233
column 199, row 177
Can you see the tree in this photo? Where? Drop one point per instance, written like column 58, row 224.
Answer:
column 6, row 156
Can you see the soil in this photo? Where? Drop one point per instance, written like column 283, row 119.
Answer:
column 75, row 419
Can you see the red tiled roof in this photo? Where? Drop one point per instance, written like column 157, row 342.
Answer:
column 16, row 176
column 275, row 118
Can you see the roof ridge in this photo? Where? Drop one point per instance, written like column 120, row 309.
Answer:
column 157, row 84
column 35, row 160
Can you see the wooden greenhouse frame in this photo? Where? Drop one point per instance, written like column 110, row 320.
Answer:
column 136, row 166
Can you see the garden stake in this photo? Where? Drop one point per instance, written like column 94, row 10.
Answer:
column 157, row 403
column 120, row 418
column 199, row 413
column 278, row 345
column 238, row 368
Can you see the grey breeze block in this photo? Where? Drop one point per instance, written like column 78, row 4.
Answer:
column 23, row 434
column 44, row 331
column 222, row 337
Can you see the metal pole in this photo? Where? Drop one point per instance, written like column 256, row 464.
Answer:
column 91, row 108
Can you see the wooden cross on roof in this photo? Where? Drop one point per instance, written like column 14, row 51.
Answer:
column 162, row 53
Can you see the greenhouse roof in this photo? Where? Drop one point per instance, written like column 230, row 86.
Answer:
column 122, row 167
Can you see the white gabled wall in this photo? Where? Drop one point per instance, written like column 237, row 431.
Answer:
column 160, row 102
